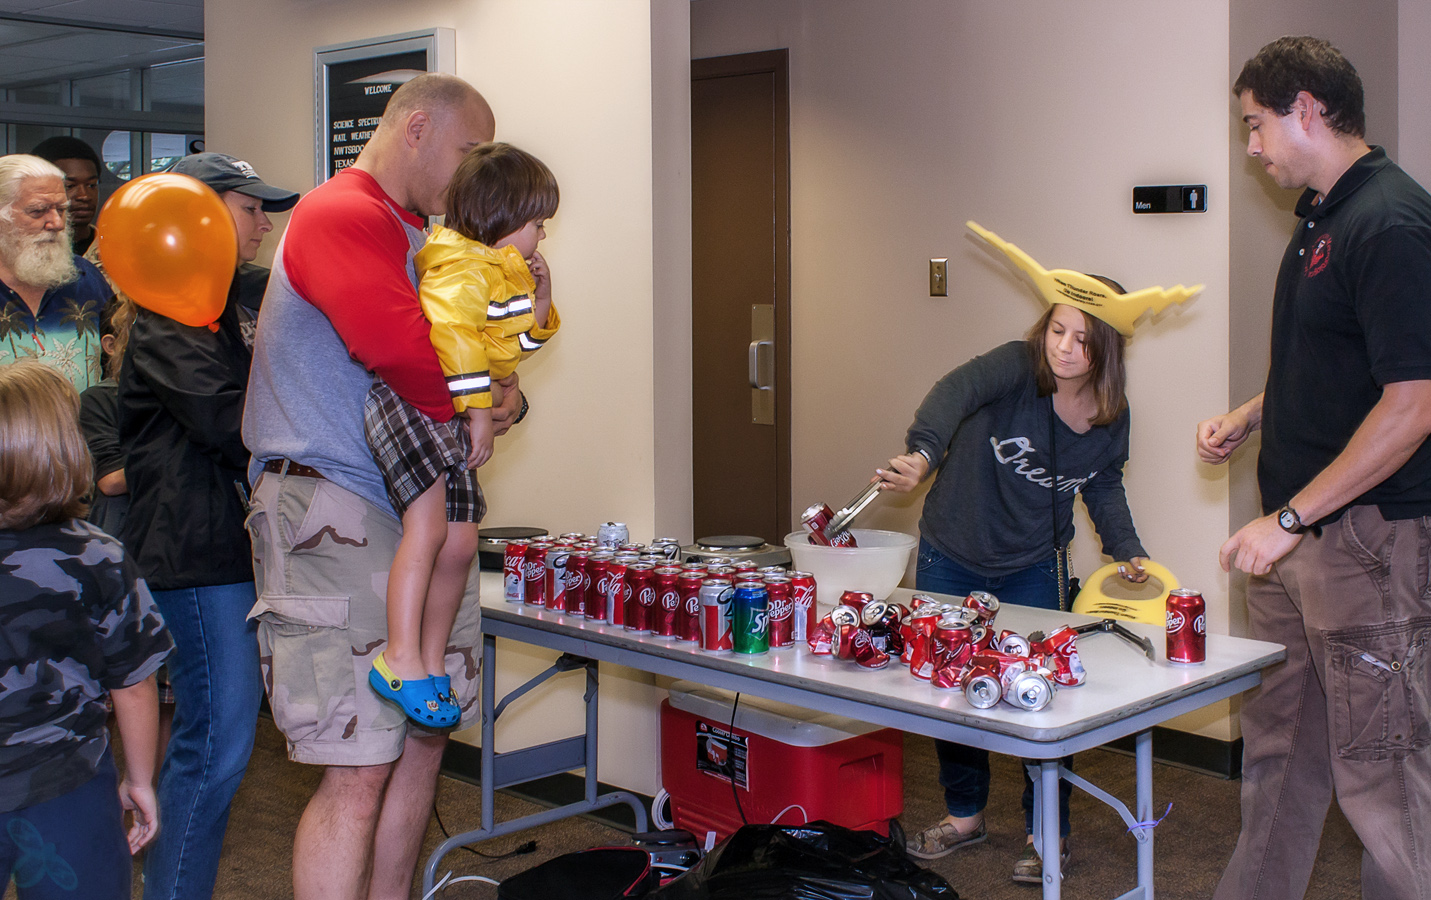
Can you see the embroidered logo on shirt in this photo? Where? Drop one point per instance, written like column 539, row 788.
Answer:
column 1321, row 255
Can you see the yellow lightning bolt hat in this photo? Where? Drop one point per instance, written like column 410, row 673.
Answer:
column 1087, row 293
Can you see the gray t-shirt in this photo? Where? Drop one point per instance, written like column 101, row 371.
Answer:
column 987, row 432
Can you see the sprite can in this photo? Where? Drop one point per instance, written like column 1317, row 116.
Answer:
column 751, row 614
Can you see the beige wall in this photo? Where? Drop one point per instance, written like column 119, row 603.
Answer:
column 1035, row 120
column 573, row 83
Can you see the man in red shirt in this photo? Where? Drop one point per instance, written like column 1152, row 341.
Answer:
column 342, row 306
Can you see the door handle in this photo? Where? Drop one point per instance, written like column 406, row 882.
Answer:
column 759, row 365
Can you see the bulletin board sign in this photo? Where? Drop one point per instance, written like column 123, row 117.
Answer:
column 352, row 85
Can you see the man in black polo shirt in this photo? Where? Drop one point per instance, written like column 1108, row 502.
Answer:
column 1339, row 562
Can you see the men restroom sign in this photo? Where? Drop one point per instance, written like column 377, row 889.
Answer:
column 354, row 81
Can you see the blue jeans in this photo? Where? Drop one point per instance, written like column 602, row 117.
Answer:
column 964, row 771
column 69, row 847
column 215, row 675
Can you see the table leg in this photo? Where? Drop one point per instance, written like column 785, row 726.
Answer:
column 1048, row 789
column 1143, row 762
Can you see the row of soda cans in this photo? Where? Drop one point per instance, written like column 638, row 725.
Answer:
column 723, row 605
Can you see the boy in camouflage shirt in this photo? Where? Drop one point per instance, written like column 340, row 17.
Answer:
column 75, row 624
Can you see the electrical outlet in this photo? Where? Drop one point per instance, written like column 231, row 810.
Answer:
column 939, row 278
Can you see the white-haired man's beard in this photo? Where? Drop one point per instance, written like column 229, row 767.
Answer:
column 45, row 260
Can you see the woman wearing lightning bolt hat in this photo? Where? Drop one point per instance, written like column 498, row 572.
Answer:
column 1011, row 436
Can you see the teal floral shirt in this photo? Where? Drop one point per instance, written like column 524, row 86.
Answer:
column 65, row 334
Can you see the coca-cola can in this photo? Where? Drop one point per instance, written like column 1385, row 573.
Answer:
column 612, row 534
column 694, row 566
column 577, row 581
column 803, row 595
column 821, row 638
column 746, row 567
column 598, row 577
column 782, row 611
column 717, row 595
column 688, row 614
column 766, row 571
column 872, row 613
column 571, row 537
column 1029, row 690
column 1062, row 649
column 1013, row 644
column 616, row 592
column 814, row 521
column 668, row 602
column 982, row 689
column 857, row 599
column 513, row 558
column 534, row 573
column 557, row 559
column 917, row 643
column 845, row 615
column 1187, row 628
column 983, row 603
column 865, row 652
column 640, row 597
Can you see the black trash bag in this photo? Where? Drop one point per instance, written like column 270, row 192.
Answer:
column 816, row 861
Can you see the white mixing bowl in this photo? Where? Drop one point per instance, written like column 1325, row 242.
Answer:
column 876, row 565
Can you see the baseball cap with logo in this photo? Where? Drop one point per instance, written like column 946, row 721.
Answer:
column 224, row 173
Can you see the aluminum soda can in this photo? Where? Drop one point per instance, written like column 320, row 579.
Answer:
column 630, row 547
column 1013, row 644
column 668, row 547
column 782, row 611
column 746, row 567
column 577, row 582
column 1187, row 628
column 983, row 689
column 513, row 558
column 983, row 603
column 598, row 576
column 872, row 612
column 668, row 602
column 694, row 566
column 750, row 623
column 814, row 519
column 1029, row 690
column 534, row 573
column 688, row 615
column 640, row 597
column 866, row 652
column 763, row 571
column 572, row 537
column 804, row 597
column 557, row 559
column 857, row 599
column 616, row 591
column 1062, row 647
column 612, row 534
column 717, row 615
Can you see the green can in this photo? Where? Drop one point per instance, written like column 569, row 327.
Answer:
column 751, row 618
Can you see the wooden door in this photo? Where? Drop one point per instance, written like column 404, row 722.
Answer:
column 740, row 184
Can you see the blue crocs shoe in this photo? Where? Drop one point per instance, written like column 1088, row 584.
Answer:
column 416, row 697
column 443, row 685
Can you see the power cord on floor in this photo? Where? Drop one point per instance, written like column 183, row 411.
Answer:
column 449, row 881
column 528, row 847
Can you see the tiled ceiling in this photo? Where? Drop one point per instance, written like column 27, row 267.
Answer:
column 45, row 41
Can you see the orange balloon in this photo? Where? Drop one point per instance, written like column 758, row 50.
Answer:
column 169, row 242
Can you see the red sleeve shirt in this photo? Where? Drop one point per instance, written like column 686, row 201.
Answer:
column 348, row 251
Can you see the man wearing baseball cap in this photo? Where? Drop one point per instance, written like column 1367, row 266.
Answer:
column 181, row 398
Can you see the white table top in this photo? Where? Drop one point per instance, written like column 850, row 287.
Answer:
column 1123, row 686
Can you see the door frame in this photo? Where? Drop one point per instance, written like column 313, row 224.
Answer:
column 777, row 64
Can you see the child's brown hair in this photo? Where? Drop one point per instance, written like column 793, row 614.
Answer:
column 496, row 190
column 45, row 469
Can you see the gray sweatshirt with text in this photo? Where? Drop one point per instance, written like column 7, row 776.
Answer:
column 987, row 432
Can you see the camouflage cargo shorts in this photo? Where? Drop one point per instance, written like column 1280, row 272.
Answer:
column 321, row 558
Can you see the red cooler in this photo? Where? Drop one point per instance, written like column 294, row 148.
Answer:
column 837, row 769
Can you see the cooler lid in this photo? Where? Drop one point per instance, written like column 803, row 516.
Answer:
column 791, row 725
column 730, row 542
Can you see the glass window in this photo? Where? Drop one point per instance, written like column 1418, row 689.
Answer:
column 26, row 137
column 103, row 91
column 115, row 153
column 176, row 87
column 166, row 149
column 52, row 94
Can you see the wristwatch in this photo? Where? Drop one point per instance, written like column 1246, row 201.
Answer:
column 1289, row 520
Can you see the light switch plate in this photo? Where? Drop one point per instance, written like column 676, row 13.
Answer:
column 939, row 278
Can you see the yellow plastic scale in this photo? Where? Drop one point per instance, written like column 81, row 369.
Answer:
column 1092, row 600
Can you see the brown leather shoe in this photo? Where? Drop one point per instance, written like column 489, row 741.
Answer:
column 942, row 839
column 1028, row 868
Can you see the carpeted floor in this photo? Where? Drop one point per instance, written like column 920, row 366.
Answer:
column 1193, row 843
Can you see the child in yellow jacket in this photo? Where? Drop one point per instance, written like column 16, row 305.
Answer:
column 487, row 293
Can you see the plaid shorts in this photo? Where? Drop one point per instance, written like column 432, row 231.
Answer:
column 413, row 452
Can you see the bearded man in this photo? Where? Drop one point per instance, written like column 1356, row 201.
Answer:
column 49, row 298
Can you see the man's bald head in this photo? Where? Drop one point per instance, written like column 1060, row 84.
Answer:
column 435, row 93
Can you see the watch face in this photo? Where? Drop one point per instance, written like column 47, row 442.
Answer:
column 1287, row 519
